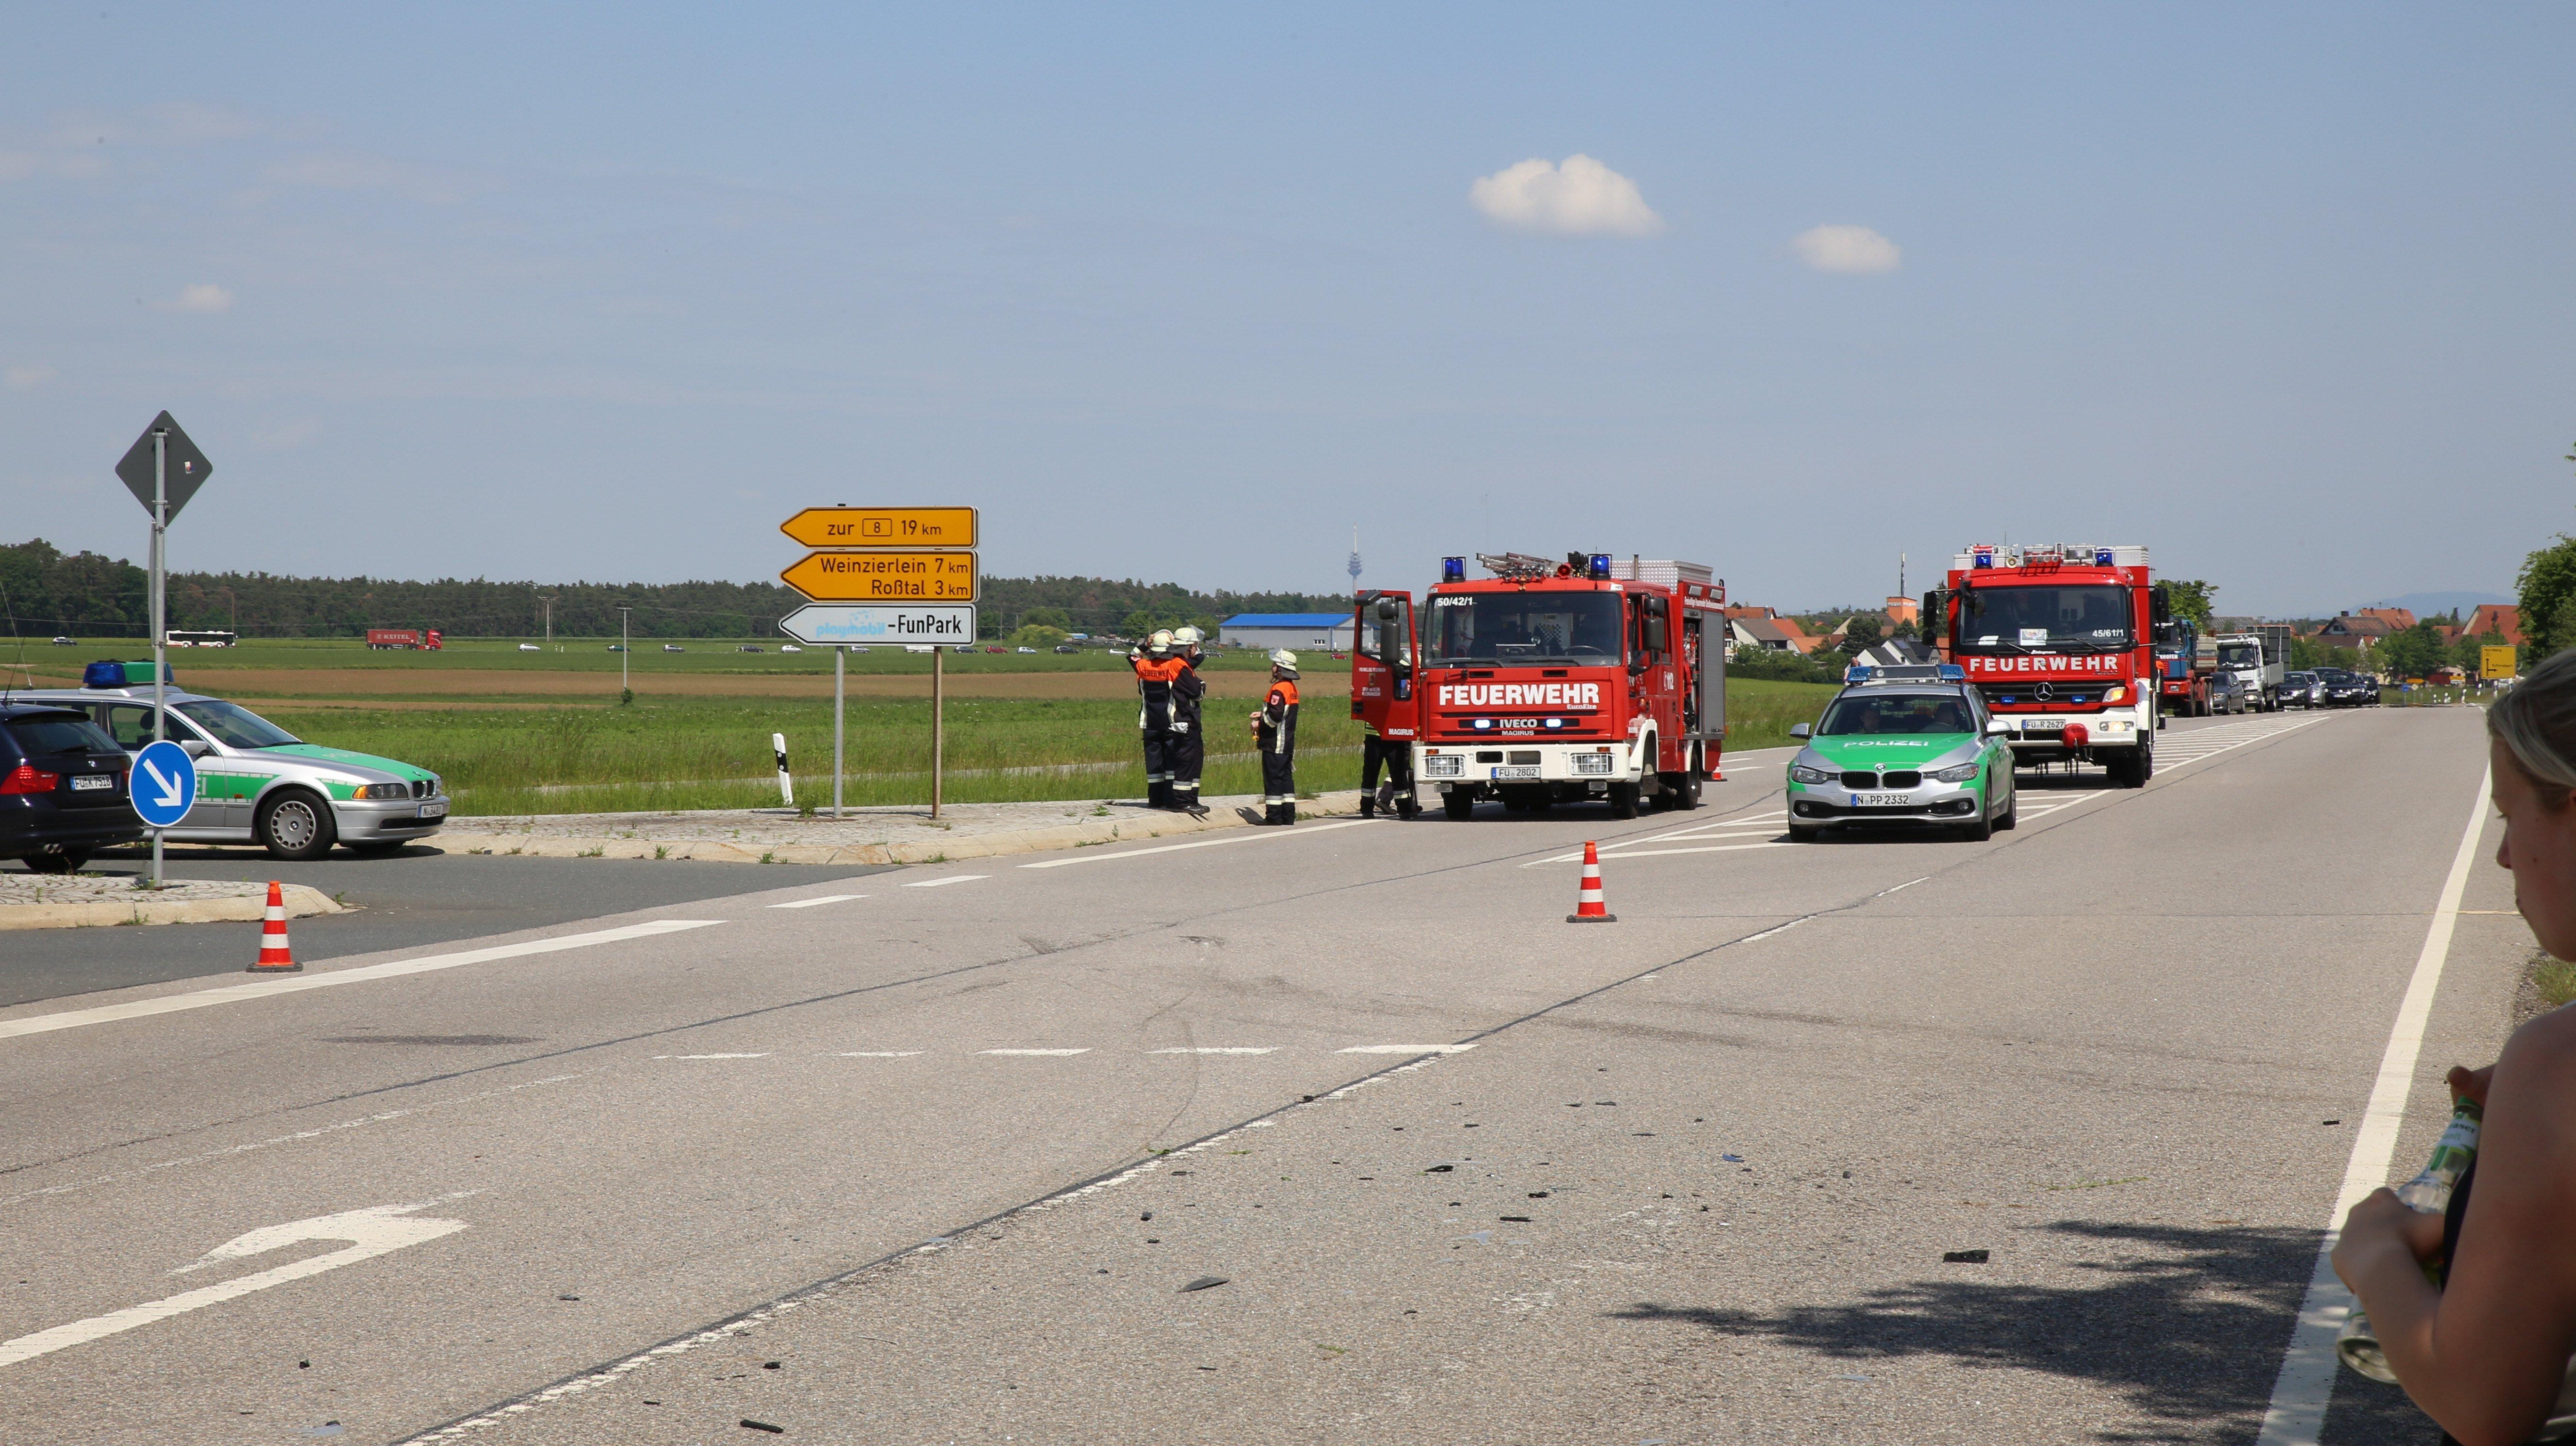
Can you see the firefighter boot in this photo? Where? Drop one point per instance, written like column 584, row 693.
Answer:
column 1368, row 805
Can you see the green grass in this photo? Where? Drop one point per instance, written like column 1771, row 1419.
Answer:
column 2555, row 979
column 1759, row 712
column 592, row 655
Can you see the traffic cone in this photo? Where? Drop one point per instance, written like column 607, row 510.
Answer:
column 1588, row 906
column 274, row 955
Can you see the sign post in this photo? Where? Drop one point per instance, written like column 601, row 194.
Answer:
column 146, row 472
column 162, row 787
column 886, row 574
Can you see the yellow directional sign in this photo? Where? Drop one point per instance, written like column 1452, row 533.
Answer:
column 884, row 577
column 882, row 527
column 2495, row 662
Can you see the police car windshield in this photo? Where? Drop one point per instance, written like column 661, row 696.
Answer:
column 234, row 725
column 2014, row 619
column 1524, row 627
column 1878, row 711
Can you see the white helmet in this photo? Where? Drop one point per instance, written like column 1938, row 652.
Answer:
column 1282, row 658
column 1189, row 637
column 1159, row 643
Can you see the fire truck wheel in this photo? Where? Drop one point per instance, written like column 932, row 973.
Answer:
column 1623, row 800
column 1459, row 804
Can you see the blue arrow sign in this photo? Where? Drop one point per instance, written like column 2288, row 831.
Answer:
column 163, row 784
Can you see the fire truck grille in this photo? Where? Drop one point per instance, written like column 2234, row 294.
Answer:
column 2083, row 694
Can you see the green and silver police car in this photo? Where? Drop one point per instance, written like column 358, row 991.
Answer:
column 1909, row 744
column 258, row 783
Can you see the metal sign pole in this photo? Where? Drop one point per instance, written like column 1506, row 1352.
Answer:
column 160, row 665
column 840, row 671
column 938, row 703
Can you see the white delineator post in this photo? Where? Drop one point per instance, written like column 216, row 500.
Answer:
column 786, row 786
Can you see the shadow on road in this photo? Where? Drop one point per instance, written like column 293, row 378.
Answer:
column 2186, row 1324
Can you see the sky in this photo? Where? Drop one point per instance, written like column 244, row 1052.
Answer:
column 1187, row 293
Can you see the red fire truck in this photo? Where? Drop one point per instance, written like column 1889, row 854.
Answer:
column 2061, row 640
column 1549, row 682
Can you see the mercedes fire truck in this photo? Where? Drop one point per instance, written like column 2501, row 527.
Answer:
column 2061, row 640
column 1549, row 683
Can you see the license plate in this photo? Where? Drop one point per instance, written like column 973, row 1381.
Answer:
column 1526, row 770
column 433, row 810
column 1882, row 800
column 87, row 782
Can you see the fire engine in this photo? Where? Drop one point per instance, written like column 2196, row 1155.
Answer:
column 2061, row 640
column 1549, row 682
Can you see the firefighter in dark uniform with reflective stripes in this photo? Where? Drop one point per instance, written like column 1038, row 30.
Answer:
column 1397, row 755
column 1274, row 728
column 1189, row 736
column 1155, row 669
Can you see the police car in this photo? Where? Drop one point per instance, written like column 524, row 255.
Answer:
column 1907, row 744
column 256, row 782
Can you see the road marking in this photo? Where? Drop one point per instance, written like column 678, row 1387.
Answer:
column 951, row 879
column 1900, row 888
column 1220, row 1049
column 261, row 988
column 1406, row 1049
column 875, row 1053
column 1699, row 849
column 825, row 899
column 2306, row 1383
column 370, row 1233
column 1205, row 843
column 711, row 1056
column 1042, row 1053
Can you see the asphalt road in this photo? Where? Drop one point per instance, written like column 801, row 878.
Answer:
column 416, row 897
column 893, row 1168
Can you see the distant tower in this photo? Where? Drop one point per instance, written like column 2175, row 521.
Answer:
column 1900, row 574
column 1355, row 559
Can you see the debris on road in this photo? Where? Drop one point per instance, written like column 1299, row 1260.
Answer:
column 749, row 1424
column 1204, row 1282
column 1963, row 1257
column 1439, row 1169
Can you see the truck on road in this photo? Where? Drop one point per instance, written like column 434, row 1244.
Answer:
column 2260, row 659
column 1547, row 683
column 2060, row 640
column 2184, row 662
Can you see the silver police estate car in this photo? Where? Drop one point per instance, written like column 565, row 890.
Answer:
column 258, row 783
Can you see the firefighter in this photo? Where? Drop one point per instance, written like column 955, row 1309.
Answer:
column 1274, row 729
column 1397, row 755
column 1155, row 669
column 1189, row 738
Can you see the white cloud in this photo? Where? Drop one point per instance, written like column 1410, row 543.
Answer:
column 204, row 296
column 29, row 375
column 1580, row 198
column 1849, row 250
column 353, row 170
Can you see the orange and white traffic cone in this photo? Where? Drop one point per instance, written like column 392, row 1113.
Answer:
column 275, row 957
column 1588, row 905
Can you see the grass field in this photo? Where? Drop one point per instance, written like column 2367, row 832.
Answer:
column 519, row 733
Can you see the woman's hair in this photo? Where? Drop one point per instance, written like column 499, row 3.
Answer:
column 2536, row 722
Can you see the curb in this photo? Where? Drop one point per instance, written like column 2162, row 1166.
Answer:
column 302, row 901
column 927, row 851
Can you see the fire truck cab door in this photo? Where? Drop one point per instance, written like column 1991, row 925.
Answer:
column 1382, row 664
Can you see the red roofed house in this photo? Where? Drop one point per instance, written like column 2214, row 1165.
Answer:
column 2502, row 618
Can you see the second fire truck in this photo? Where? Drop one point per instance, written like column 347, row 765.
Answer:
column 2061, row 640
column 1547, row 683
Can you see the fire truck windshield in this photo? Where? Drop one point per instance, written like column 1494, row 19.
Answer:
column 1523, row 627
column 2062, row 617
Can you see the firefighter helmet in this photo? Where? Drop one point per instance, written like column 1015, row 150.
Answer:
column 1189, row 637
column 1159, row 643
column 1282, row 658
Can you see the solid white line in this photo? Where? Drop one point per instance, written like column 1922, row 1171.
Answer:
column 1042, row 1053
column 296, row 983
column 824, row 899
column 1222, row 1049
column 1406, row 1049
column 951, row 879
column 1607, row 856
column 2306, row 1382
column 1205, row 843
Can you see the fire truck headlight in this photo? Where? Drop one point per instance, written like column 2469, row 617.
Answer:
column 1595, row 762
column 2116, row 695
column 1444, row 766
column 1801, row 773
column 1960, row 774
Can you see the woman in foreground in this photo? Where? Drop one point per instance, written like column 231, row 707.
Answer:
column 2486, row 1354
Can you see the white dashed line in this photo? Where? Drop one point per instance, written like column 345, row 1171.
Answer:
column 824, row 899
column 1205, row 843
column 1219, row 1049
column 951, row 879
column 1406, row 1049
column 1041, row 1053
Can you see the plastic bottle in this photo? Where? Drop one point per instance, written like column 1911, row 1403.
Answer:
column 2428, row 1193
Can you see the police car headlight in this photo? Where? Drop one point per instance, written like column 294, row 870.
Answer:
column 1960, row 774
column 1801, row 773
column 382, row 790
column 1444, row 766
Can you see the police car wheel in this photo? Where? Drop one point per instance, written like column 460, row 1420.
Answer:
column 1460, row 806
column 1980, row 830
column 293, row 824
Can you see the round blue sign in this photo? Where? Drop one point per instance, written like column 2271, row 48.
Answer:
column 163, row 784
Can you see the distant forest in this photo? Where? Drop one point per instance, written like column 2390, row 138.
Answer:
column 45, row 591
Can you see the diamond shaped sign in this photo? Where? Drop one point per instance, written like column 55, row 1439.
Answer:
column 185, row 468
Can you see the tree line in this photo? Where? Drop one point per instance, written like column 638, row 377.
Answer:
column 45, row 591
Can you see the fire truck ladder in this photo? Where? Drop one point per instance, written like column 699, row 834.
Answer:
column 1515, row 565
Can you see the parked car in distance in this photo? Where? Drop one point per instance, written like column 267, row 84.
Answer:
column 529, row 648
column 617, row 647
column 1066, row 648
column 789, row 648
column 750, row 648
column 65, row 643
column 673, row 648
column 2226, row 693
column 1027, row 650
column 997, row 650
column 62, row 788
column 965, row 647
